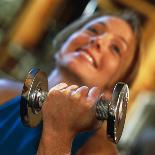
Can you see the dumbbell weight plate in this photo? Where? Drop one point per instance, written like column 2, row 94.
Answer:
column 35, row 80
column 117, row 111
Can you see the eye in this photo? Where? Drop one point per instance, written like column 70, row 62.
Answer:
column 116, row 48
column 93, row 30
column 78, row 48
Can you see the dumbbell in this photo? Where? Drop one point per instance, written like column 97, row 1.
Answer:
column 35, row 90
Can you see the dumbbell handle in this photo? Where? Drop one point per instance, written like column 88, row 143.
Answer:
column 38, row 97
column 35, row 91
column 102, row 107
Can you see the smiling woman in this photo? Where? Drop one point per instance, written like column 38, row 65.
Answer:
column 89, row 49
column 97, row 52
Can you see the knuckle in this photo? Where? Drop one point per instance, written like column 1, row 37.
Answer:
column 63, row 83
column 76, row 96
column 65, row 92
column 85, row 87
column 89, row 104
column 54, row 93
column 75, row 86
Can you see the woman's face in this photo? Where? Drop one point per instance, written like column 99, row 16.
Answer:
column 99, row 53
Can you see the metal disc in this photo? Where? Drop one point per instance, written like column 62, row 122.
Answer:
column 35, row 80
column 117, row 112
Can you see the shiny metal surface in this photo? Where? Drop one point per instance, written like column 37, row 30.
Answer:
column 117, row 111
column 35, row 90
column 32, row 97
column 102, row 109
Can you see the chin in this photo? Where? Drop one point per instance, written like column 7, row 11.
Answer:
column 85, row 77
column 75, row 69
column 82, row 71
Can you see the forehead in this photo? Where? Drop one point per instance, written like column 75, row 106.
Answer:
column 115, row 25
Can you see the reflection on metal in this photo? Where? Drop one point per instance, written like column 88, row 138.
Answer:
column 35, row 91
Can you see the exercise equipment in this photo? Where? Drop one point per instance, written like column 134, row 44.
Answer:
column 35, row 90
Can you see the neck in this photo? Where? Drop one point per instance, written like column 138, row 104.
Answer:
column 57, row 76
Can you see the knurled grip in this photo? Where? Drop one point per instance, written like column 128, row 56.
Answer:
column 35, row 91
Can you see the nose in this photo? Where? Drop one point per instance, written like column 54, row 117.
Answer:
column 101, row 42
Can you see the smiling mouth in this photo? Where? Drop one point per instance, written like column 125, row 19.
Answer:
column 89, row 58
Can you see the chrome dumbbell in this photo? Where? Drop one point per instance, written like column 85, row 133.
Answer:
column 35, row 90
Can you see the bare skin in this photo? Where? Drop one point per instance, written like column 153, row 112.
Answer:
column 86, row 54
column 97, row 55
column 110, row 44
column 79, row 104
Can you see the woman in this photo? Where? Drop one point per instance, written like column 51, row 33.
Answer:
column 99, row 53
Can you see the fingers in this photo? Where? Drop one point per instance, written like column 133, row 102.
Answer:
column 80, row 92
column 58, row 87
column 76, row 92
column 72, row 87
column 69, row 89
column 94, row 94
column 72, row 103
column 102, row 96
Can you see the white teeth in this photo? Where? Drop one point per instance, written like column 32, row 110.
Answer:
column 88, row 57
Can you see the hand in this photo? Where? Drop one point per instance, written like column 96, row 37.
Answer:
column 70, row 109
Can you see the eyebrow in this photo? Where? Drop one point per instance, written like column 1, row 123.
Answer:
column 121, row 38
column 103, row 24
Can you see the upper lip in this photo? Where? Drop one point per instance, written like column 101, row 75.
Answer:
column 88, row 51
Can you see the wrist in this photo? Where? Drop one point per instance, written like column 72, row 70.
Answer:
column 55, row 142
column 54, row 129
column 49, row 132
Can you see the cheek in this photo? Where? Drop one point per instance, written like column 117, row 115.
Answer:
column 109, row 70
column 110, row 65
column 106, row 72
column 126, row 61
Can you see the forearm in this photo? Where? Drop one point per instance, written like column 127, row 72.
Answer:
column 55, row 143
column 63, row 119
